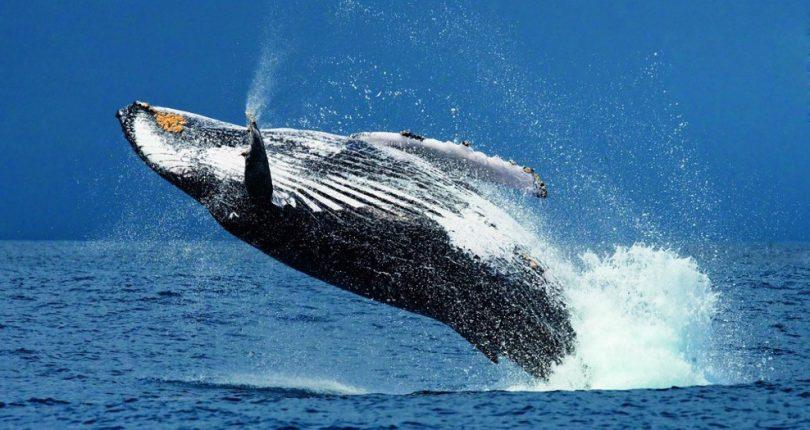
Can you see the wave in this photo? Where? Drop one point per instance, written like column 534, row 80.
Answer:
column 643, row 320
column 273, row 382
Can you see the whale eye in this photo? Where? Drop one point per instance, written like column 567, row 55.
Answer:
column 171, row 122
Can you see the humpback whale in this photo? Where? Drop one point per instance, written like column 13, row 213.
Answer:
column 394, row 217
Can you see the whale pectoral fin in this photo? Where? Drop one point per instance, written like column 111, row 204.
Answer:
column 258, row 182
column 463, row 158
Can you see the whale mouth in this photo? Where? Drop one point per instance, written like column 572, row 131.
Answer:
column 146, row 129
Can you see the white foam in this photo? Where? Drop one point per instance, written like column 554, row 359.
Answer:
column 643, row 320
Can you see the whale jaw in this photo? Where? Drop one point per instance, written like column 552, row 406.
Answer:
column 180, row 147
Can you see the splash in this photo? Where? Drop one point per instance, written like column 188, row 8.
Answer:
column 642, row 314
column 643, row 320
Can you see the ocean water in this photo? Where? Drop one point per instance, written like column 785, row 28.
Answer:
column 208, row 334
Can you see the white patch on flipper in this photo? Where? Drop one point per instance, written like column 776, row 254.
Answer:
column 483, row 166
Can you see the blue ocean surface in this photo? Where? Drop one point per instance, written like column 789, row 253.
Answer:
column 672, row 135
column 207, row 334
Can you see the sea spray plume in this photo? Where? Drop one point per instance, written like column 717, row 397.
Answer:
column 261, row 86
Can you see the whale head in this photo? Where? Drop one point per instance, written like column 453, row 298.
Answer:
column 202, row 156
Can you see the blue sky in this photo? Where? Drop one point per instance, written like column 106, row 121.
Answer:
column 689, row 117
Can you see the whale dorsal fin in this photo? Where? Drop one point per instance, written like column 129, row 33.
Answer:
column 482, row 166
column 258, row 182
